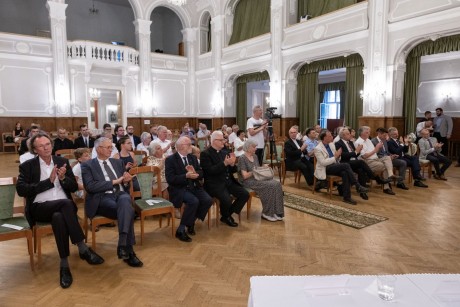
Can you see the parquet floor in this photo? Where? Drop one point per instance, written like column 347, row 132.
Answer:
column 422, row 235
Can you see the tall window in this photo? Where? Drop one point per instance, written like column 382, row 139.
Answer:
column 329, row 107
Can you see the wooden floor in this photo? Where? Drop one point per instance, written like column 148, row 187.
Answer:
column 422, row 235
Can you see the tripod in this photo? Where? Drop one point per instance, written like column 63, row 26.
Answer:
column 272, row 148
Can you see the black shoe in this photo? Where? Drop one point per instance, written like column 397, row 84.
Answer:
column 181, row 235
column 65, row 278
column 112, row 224
column 340, row 189
column 421, row 178
column 420, row 184
column 349, row 201
column 401, row 185
column 133, row 261
column 397, row 178
column 191, row 230
column 229, row 221
column 364, row 196
column 361, row 189
column 389, row 192
column 382, row 181
column 91, row 257
column 122, row 252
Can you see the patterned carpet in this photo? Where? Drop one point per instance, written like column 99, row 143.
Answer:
column 341, row 215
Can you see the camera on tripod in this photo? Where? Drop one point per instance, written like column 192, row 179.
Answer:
column 270, row 113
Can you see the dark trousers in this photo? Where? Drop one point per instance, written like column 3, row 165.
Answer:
column 117, row 206
column 197, row 203
column 444, row 140
column 414, row 164
column 225, row 198
column 437, row 160
column 260, row 155
column 62, row 214
column 363, row 171
column 306, row 168
column 348, row 178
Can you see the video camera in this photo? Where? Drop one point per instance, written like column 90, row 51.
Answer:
column 270, row 113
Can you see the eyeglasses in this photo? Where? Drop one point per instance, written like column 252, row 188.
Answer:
column 43, row 146
column 106, row 147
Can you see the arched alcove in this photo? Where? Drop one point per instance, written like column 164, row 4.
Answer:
column 25, row 17
column 205, row 33
column 166, row 31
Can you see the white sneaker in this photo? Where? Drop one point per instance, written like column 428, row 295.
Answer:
column 278, row 218
column 269, row 218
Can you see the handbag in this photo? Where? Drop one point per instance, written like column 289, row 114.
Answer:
column 263, row 173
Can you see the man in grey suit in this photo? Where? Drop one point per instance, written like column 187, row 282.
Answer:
column 442, row 129
column 106, row 183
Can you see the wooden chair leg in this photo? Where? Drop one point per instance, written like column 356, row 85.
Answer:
column 172, row 221
column 248, row 206
column 30, row 249
column 142, row 228
column 93, row 235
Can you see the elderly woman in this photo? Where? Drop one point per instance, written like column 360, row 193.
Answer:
column 156, row 158
column 269, row 191
column 146, row 138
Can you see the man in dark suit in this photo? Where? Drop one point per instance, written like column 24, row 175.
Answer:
column 183, row 174
column 218, row 167
column 350, row 155
column 134, row 138
column 23, row 148
column 84, row 140
column 397, row 148
column 296, row 156
column 119, row 133
column 106, row 182
column 46, row 182
column 62, row 142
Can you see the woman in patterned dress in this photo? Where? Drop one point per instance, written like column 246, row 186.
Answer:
column 156, row 158
column 269, row 191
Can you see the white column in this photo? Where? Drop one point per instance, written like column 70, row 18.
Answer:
column 217, row 29
column 191, row 50
column 377, row 90
column 146, row 102
column 61, row 105
column 276, row 30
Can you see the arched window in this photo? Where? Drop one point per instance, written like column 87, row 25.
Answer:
column 205, row 33
column 166, row 35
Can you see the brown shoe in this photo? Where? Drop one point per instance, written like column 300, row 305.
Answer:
column 442, row 177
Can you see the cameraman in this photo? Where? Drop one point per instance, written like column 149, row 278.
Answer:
column 257, row 128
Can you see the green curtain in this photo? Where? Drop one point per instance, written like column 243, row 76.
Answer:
column 241, row 95
column 411, row 78
column 307, row 100
column 353, row 102
column 316, row 8
column 252, row 18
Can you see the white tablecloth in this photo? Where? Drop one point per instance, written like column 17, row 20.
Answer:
column 414, row 290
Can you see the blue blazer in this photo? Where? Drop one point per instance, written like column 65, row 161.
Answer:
column 95, row 183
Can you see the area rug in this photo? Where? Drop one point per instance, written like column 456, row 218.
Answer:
column 341, row 215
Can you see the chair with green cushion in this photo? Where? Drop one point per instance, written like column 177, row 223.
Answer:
column 201, row 142
column 139, row 155
column 7, row 194
column 147, row 202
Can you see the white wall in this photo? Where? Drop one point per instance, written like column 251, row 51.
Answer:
column 165, row 31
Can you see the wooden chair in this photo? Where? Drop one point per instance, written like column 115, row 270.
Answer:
column 7, row 193
column 140, row 155
column 66, row 153
column 147, row 202
column 425, row 164
column 409, row 169
column 40, row 229
column 330, row 181
column 297, row 173
column 8, row 144
column 95, row 222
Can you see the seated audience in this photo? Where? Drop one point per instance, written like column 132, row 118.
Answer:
column 233, row 134
column 296, row 156
column 157, row 158
column 18, row 132
column 82, row 155
column 238, row 143
column 23, row 148
column 431, row 150
column 126, row 155
column 162, row 139
column 146, row 138
column 134, row 138
column 107, row 134
column 85, row 139
column 269, row 191
column 62, row 142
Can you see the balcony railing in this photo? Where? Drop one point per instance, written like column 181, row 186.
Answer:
column 102, row 53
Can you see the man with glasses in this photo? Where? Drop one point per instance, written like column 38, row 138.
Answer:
column 106, row 183
column 134, row 138
column 47, row 182
column 257, row 128
column 218, row 166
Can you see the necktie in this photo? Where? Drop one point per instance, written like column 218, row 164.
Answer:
column 111, row 175
column 86, row 142
column 431, row 146
column 185, row 161
column 329, row 151
column 348, row 146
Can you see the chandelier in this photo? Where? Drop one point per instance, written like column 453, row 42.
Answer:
column 177, row 2
column 94, row 93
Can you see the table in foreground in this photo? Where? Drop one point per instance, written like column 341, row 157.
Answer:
column 420, row 290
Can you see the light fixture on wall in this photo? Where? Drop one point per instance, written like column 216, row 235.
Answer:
column 178, row 2
column 94, row 93
column 93, row 10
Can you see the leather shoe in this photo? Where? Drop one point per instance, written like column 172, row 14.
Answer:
column 181, row 235
column 229, row 221
column 122, row 252
column 361, row 189
column 191, row 230
column 349, row 201
column 389, row 192
column 442, row 177
column 364, row 196
column 421, row 178
column 394, row 177
column 381, row 180
column 401, row 185
column 91, row 257
column 65, row 278
column 133, row 261
column 420, row 184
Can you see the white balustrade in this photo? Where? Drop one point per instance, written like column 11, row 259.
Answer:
column 100, row 52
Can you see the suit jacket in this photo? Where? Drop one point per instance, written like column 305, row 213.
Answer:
column 62, row 144
column 426, row 149
column 95, row 184
column 323, row 159
column 346, row 154
column 29, row 184
column 80, row 143
column 396, row 149
column 215, row 171
column 292, row 153
column 137, row 140
column 445, row 127
column 175, row 176
column 23, row 147
column 384, row 150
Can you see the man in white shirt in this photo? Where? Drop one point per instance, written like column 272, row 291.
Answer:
column 114, row 153
column 233, row 136
column 257, row 128
column 162, row 139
